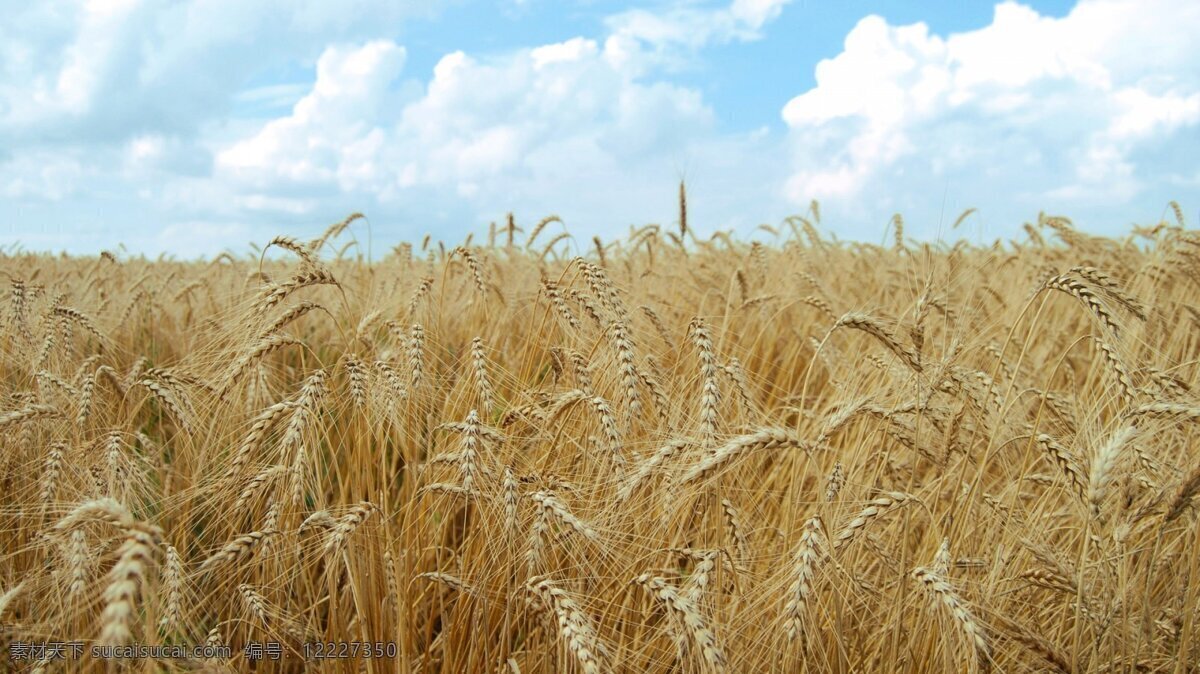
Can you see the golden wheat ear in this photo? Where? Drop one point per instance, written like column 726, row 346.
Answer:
column 561, row 450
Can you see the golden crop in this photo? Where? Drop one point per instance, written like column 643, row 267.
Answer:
column 662, row 455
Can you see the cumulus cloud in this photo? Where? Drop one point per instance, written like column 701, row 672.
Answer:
column 331, row 124
column 149, row 114
column 107, row 102
column 755, row 13
column 108, row 70
column 1050, row 112
column 643, row 39
column 559, row 126
column 42, row 176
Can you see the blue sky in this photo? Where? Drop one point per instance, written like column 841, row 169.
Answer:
column 200, row 125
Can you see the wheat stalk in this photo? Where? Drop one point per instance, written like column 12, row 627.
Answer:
column 576, row 629
column 943, row 593
column 697, row 627
column 804, row 564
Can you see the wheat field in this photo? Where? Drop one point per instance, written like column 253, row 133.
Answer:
column 664, row 453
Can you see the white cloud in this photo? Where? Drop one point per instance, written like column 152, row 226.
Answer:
column 1140, row 113
column 557, row 127
column 668, row 38
column 152, row 114
column 109, row 70
column 38, row 176
column 272, row 94
column 330, row 127
column 1048, row 112
column 128, row 104
column 575, row 49
column 695, row 27
column 756, row 13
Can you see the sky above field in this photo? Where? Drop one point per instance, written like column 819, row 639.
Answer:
column 195, row 126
